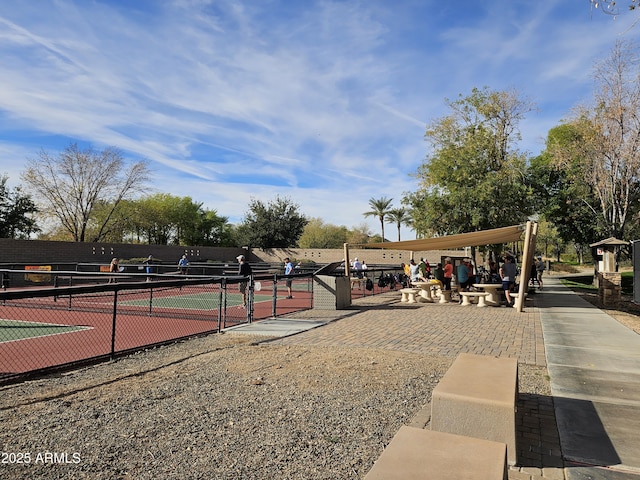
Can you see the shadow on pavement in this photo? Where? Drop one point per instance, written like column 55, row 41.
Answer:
column 586, row 439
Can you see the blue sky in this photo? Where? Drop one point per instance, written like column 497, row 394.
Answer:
column 323, row 102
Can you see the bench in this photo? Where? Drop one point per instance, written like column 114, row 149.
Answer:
column 477, row 397
column 415, row 453
column 409, row 294
column 467, row 296
column 515, row 295
column 445, row 296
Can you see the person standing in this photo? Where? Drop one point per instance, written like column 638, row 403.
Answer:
column 472, row 275
column 183, row 265
column 244, row 269
column 447, row 272
column 462, row 276
column 357, row 268
column 438, row 273
column 148, row 266
column 422, row 266
column 540, row 267
column 494, row 274
column 113, row 268
column 288, row 270
column 414, row 272
column 508, row 273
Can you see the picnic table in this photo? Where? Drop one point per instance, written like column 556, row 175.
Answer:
column 492, row 289
column 426, row 289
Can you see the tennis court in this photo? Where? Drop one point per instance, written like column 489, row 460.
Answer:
column 49, row 327
column 12, row 330
column 191, row 301
column 98, row 317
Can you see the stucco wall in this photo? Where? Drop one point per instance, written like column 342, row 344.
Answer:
column 370, row 256
column 40, row 251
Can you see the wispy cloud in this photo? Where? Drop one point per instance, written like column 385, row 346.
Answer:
column 322, row 101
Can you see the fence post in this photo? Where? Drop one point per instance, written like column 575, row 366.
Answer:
column 150, row 299
column 250, row 300
column 274, row 296
column 224, row 288
column 113, row 324
column 220, row 299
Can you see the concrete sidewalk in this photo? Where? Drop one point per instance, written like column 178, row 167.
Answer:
column 594, row 365
column 277, row 327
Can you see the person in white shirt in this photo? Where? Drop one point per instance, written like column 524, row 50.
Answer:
column 288, row 270
column 357, row 268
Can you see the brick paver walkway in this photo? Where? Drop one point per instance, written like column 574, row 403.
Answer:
column 449, row 329
column 381, row 321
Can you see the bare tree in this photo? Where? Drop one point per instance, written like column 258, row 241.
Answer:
column 608, row 140
column 610, row 7
column 71, row 185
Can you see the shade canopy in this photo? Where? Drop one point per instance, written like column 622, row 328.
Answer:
column 461, row 240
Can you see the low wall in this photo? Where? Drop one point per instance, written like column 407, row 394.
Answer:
column 370, row 256
column 44, row 251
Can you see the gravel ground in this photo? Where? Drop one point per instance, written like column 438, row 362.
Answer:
column 223, row 407
column 220, row 407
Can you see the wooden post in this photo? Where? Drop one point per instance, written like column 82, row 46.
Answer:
column 347, row 263
column 527, row 258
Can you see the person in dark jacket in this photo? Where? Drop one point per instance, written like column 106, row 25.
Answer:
column 245, row 270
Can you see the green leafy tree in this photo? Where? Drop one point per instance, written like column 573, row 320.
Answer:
column 115, row 229
column 560, row 195
column 318, row 234
column 210, row 229
column 164, row 219
column 399, row 216
column 71, row 185
column 17, row 212
column 380, row 208
column 474, row 177
column 548, row 240
column 156, row 216
column 277, row 224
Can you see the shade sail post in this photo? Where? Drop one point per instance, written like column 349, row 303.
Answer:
column 527, row 258
column 347, row 263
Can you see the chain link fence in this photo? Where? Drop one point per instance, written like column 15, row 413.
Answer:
column 52, row 319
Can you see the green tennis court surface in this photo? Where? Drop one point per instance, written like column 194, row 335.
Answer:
column 11, row 330
column 195, row 301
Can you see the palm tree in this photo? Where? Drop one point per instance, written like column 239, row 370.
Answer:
column 380, row 209
column 399, row 216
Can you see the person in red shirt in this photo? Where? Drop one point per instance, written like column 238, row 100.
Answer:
column 448, row 273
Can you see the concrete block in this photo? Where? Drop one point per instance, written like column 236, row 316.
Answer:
column 331, row 293
column 415, row 453
column 477, row 397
